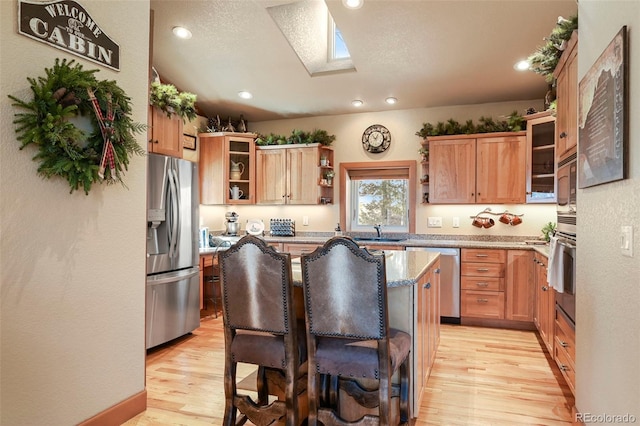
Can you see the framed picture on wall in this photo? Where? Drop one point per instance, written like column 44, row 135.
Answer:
column 603, row 115
column 189, row 141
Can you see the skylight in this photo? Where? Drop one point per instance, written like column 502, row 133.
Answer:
column 339, row 48
column 309, row 28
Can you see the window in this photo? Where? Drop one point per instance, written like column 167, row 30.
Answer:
column 337, row 47
column 378, row 193
column 380, row 201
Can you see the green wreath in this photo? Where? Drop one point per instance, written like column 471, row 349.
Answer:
column 63, row 149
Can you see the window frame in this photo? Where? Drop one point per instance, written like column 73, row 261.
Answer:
column 409, row 167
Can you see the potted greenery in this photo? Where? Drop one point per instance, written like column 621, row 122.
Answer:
column 167, row 98
column 424, row 152
column 329, row 174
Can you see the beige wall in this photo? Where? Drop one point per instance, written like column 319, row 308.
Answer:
column 403, row 125
column 72, row 266
column 608, row 317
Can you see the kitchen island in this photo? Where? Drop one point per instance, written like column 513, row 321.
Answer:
column 414, row 307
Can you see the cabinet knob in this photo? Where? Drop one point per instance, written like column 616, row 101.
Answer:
column 563, row 344
column 564, row 367
column 563, row 135
column 427, row 286
column 437, row 271
column 545, row 288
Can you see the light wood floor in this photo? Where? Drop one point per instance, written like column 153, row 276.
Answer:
column 481, row 376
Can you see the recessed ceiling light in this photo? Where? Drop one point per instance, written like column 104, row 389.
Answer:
column 182, row 32
column 357, row 103
column 352, row 4
column 390, row 100
column 522, row 65
column 245, row 95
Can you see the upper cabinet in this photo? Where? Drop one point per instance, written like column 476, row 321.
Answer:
column 165, row 133
column 294, row 174
column 227, row 168
column 566, row 74
column 541, row 181
column 481, row 168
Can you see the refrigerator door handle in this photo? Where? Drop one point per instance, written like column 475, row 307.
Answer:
column 174, row 214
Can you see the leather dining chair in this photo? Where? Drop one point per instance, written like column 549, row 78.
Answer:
column 348, row 334
column 260, row 328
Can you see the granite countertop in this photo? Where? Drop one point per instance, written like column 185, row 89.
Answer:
column 460, row 242
column 404, row 268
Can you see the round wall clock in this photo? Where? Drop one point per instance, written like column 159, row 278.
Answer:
column 376, row 139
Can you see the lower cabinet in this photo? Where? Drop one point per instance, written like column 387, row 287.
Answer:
column 422, row 322
column 498, row 285
column 207, row 261
column 544, row 312
column 565, row 349
column 482, row 283
column 520, row 291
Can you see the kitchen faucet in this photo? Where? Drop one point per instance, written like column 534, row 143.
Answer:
column 378, row 229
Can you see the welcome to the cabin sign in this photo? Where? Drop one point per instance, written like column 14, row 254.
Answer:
column 68, row 26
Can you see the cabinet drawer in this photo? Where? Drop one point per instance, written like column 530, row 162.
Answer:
column 482, row 283
column 565, row 337
column 484, row 255
column 298, row 249
column 482, row 304
column 495, row 270
column 566, row 366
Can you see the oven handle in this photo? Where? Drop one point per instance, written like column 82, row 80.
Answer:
column 563, row 243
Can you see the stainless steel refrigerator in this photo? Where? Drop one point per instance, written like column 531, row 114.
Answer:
column 173, row 273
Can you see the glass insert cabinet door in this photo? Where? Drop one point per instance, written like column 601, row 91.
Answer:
column 541, row 176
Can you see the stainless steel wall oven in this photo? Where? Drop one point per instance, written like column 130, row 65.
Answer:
column 566, row 234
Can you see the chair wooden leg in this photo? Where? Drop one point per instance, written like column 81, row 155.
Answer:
column 313, row 393
column 261, row 386
column 405, row 391
column 230, row 410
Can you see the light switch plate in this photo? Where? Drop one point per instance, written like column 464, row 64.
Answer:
column 305, row 220
column 626, row 240
column 456, row 222
column 434, row 222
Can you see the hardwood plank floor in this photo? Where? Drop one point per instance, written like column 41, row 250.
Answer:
column 481, row 376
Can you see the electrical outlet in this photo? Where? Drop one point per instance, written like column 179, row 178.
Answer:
column 456, row 222
column 626, row 240
column 434, row 222
column 305, row 220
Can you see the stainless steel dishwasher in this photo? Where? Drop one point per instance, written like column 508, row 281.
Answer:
column 449, row 282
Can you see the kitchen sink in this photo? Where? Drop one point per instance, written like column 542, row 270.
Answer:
column 378, row 239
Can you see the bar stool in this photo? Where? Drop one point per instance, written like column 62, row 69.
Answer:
column 348, row 334
column 260, row 328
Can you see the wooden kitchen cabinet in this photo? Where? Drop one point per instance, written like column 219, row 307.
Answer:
column 164, row 133
column 566, row 74
column 482, row 283
column 541, row 177
column 520, row 288
column 427, row 327
column 452, row 170
column 207, row 261
column 565, row 349
column 481, row 168
column 544, row 312
column 293, row 174
column 218, row 151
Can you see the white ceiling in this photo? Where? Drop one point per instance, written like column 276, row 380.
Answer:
column 426, row 53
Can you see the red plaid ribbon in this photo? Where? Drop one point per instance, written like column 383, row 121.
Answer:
column 107, row 130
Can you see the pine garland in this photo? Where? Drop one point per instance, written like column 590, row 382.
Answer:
column 63, row 149
column 546, row 57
